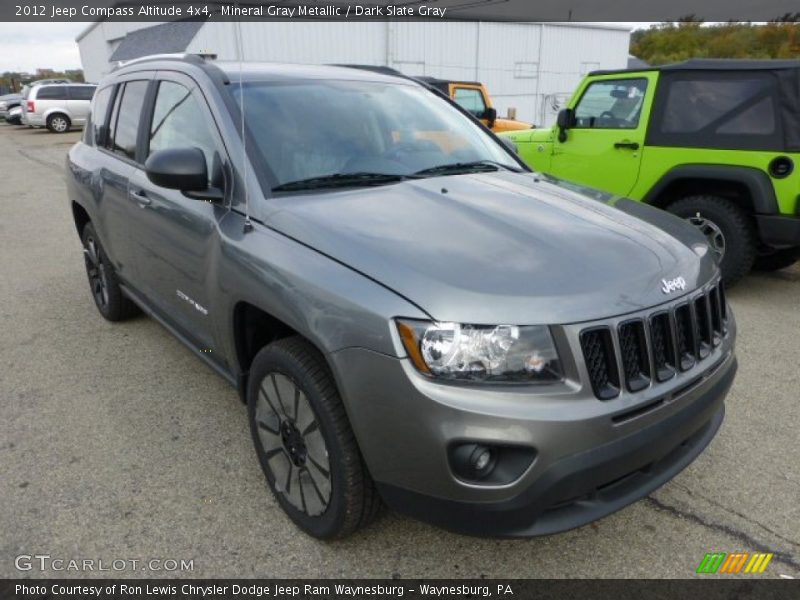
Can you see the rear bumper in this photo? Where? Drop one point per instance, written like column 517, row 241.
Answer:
column 33, row 119
column 780, row 231
column 587, row 486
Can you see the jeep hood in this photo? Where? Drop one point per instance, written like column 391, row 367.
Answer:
column 530, row 135
column 500, row 247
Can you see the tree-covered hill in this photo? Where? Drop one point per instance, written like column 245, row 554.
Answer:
column 674, row 42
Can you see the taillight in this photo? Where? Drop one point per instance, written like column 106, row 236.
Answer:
column 30, row 106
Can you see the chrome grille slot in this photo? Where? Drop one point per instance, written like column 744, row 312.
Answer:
column 716, row 316
column 635, row 360
column 703, row 322
column 598, row 352
column 663, row 346
column 684, row 336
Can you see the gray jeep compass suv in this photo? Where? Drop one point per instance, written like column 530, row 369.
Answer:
column 412, row 316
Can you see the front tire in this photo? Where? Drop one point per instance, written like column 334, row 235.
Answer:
column 103, row 282
column 58, row 123
column 728, row 229
column 304, row 442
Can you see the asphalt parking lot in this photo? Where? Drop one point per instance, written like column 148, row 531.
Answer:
column 116, row 443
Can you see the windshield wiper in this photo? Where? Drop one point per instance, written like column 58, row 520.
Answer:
column 476, row 166
column 340, row 180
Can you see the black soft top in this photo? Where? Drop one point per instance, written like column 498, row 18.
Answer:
column 713, row 64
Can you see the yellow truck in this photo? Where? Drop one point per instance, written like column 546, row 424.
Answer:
column 474, row 97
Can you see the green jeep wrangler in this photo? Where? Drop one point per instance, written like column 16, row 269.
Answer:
column 713, row 141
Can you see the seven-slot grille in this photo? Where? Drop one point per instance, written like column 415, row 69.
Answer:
column 678, row 338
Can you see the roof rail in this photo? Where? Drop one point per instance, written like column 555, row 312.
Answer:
column 180, row 56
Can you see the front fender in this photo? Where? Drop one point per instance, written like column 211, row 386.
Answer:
column 325, row 301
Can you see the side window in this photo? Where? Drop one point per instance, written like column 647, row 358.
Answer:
column 470, row 99
column 129, row 111
column 180, row 121
column 97, row 115
column 52, row 92
column 112, row 122
column 725, row 106
column 611, row 104
column 718, row 109
column 81, row 92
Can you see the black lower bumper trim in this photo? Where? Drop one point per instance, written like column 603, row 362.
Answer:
column 776, row 230
column 585, row 487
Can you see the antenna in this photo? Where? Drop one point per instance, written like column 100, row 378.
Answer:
column 248, row 225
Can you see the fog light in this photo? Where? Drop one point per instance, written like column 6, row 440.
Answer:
column 485, row 464
column 481, row 459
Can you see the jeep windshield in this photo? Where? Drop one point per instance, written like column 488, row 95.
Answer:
column 331, row 133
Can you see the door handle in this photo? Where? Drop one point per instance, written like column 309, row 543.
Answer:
column 626, row 144
column 140, row 198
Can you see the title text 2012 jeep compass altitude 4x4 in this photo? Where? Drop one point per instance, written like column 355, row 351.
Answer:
column 411, row 315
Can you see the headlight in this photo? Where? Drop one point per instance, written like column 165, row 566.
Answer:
column 482, row 353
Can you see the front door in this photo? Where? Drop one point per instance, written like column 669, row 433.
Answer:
column 470, row 98
column 603, row 147
column 177, row 237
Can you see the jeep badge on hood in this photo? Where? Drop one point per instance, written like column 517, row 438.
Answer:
column 679, row 283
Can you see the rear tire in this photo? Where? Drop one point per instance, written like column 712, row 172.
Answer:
column 111, row 302
column 58, row 123
column 716, row 215
column 304, row 442
column 775, row 260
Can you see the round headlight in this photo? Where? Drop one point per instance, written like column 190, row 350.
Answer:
column 482, row 353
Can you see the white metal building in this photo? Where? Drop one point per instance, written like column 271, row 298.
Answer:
column 532, row 67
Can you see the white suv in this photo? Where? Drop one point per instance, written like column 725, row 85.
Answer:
column 57, row 106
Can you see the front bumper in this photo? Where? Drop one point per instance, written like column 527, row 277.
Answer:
column 589, row 485
column 587, row 457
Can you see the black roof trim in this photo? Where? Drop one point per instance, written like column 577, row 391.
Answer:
column 438, row 81
column 713, row 64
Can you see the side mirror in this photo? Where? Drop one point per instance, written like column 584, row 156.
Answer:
column 565, row 120
column 509, row 143
column 181, row 169
column 490, row 114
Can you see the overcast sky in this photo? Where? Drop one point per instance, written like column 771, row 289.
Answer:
column 28, row 46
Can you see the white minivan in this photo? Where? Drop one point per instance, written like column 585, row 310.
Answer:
column 58, row 107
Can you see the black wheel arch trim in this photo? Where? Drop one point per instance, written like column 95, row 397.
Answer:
column 762, row 192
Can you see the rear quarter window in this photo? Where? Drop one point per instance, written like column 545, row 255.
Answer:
column 97, row 115
column 126, row 118
column 51, row 92
column 81, row 92
column 736, row 111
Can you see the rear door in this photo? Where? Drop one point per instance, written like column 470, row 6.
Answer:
column 78, row 102
column 603, row 148
column 118, row 161
column 177, row 237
